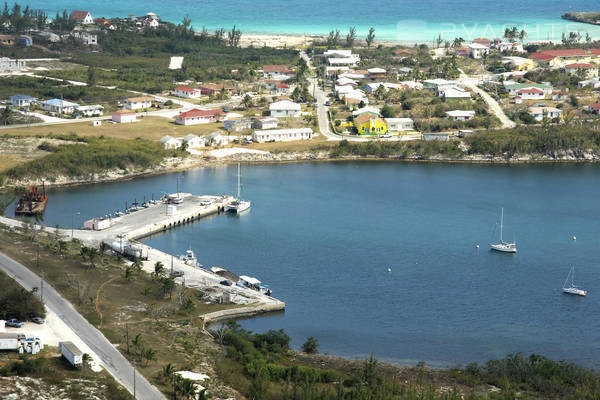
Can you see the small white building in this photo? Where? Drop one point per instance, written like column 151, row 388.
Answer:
column 455, row 93
column 93, row 110
column 216, row 139
column 282, row 135
column 476, row 50
column 265, row 123
column 87, row 38
column 8, row 64
column 186, row 92
column 594, row 83
column 169, row 142
column 22, row 100
column 58, row 106
column 539, row 113
column 137, row 103
column 372, row 87
column 531, row 94
column 345, row 82
column 284, row 108
column 123, row 116
column 460, row 115
column 192, row 141
column 81, row 17
column 399, row 124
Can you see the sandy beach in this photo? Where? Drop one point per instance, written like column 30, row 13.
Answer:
column 278, row 40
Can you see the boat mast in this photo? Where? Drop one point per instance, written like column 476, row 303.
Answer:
column 501, row 224
column 239, row 181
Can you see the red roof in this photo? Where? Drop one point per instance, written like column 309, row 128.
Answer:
column 579, row 65
column 195, row 113
column 283, row 86
column 78, row 15
column 595, row 106
column 531, row 90
column 550, row 54
column 185, row 89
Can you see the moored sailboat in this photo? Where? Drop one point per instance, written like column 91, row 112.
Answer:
column 503, row 246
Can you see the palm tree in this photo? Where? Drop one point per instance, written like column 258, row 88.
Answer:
column 458, row 42
column 137, row 265
column 103, row 249
column 159, row 269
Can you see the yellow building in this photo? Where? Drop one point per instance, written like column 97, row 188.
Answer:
column 370, row 124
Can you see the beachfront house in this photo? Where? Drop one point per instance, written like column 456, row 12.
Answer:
column 282, row 135
column 284, row 108
column 186, row 92
column 22, row 100
column 460, row 115
column 81, row 17
column 265, row 123
column 237, row 125
column 586, row 70
column 277, row 72
column 196, row 116
column 193, row 141
column 58, row 106
column 138, row 103
column 123, row 116
column 216, row 139
column 92, row 110
column 539, row 113
column 532, row 93
column 169, row 142
column 399, row 124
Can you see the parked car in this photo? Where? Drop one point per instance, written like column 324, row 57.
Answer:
column 327, row 103
column 15, row 323
column 177, row 274
column 226, row 282
column 38, row 320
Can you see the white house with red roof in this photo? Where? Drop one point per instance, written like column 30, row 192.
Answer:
column 187, row 92
column 81, row 17
column 588, row 70
column 593, row 108
column 277, row 72
column 532, row 93
column 283, row 88
column 196, row 116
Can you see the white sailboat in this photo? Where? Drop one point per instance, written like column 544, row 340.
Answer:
column 503, row 246
column 238, row 205
column 572, row 289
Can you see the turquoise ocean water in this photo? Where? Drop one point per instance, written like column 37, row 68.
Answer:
column 323, row 235
column 409, row 21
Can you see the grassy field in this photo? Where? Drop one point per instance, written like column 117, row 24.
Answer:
column 166, row 322
column 151, row 128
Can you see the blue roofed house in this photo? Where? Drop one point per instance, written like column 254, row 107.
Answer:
column 22, row 100
column 58, row 106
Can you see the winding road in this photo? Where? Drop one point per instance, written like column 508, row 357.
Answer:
column 112, row 360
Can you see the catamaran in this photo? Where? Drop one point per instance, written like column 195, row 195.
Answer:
column 572, row 289
column 503, row 246
column 238, row 205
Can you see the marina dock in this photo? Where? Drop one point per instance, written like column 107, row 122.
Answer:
column 161, row 217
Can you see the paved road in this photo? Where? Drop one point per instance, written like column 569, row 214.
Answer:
column 489, row 100
column 110, row 357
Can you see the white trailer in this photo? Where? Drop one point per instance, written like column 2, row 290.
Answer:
column 132, row 250
column 71, row 353
column 20, row 343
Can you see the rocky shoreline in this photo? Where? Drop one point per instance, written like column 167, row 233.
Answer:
column 179, row 164
column 583, row 17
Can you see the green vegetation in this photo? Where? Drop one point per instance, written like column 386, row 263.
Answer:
column 538, row 139
column 416, row 149
column 16, row 302
column 89, row 156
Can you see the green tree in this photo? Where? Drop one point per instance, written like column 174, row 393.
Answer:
column 388, row 112
column 247, row 101
column 159, row 269
column 311, row 346
column 6, row 116
column 351, row 37
column 91, row 76
column 370, row 37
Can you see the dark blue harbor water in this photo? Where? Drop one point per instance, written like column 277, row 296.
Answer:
column 323, row 235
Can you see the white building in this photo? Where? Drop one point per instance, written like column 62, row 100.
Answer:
column 93, row 110
column 476, row 50
column 399, row 124
column 81, row 17
column 137, row 103
column 345, row 82
column 282, row 135
column 265, row 123
column 539, row 113
column 531, row 94
column 22, row 100
column 123, row 116
column 58, row 106
column 594, row 83
column 455, row 92
column 460, row 115
column 370, row 110
column 192, row 141
column 186, row 92
column 284, row 108
column 89, row 39
column 216, row 139
column 170, row 142
column 372, row 87
column 7, row 64
column 341, row 57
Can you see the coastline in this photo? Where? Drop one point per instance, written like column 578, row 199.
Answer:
column 201, row 161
